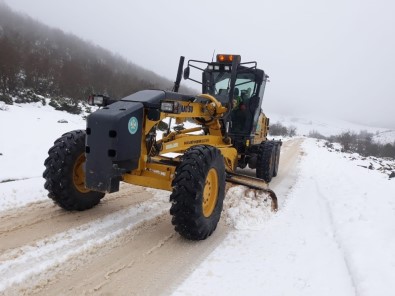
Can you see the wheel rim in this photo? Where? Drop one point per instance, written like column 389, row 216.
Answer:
column 79, row 174
column 210, row 193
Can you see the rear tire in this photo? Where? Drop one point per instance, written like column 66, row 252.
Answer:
column 198, row 192
column 64, row 175
column 266, row 161
column 277, row 161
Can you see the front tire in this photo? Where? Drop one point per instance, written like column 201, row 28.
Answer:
column 198, row 192
column 65, row 176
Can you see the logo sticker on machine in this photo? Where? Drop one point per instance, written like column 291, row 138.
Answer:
column 133, row 125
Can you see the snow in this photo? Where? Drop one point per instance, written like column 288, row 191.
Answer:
column 27, row 131
column 333, row 233
column 22, row 192
column 332, row 236
column 33, row 260
column 384, row 137
column 250, row 212
column 328, row 126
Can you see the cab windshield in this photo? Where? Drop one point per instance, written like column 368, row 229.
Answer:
column 245, row 85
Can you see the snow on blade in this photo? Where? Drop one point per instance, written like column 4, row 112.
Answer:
column 246, row 208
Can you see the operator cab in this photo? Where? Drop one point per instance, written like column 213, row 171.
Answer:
column 238, row 86
column 243, row 95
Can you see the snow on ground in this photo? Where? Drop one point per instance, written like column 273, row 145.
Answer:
column 30, row 261
column 21, row 192
column 27, row 131
column 383, row 165
column 329, row 126
column 333, row 236
column 384, row 137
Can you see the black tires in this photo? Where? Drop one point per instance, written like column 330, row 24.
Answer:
column 277, row 161
column 198, row 192
column 65, row 176
column 266, row 161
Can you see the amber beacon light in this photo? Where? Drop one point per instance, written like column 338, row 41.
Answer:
column 224, row 58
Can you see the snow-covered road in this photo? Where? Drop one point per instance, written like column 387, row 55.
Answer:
column 333, row 235
column 126, row 245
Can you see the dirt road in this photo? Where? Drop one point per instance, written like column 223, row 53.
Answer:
column 124, row 246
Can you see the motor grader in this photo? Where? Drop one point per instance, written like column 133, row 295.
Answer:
column 121, row 143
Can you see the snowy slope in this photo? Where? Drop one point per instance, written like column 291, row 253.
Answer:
column 384, row 137
column 27, row 131
column 329, row 126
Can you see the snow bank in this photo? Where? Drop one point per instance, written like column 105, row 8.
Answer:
column 20, row 193
column 246, row 209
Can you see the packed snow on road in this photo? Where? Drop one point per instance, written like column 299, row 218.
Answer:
column 332, row 235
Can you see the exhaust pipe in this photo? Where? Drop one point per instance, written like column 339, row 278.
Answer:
column 179, row 73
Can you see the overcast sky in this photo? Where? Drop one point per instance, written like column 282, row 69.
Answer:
column 333, row 57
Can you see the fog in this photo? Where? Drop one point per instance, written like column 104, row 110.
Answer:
column 333, row 58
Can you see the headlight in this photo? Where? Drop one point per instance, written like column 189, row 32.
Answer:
column 96, row 100
column 166, row 107
column 169, row 107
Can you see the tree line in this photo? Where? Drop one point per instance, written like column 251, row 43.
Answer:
column 278, row 129
column 49, row 62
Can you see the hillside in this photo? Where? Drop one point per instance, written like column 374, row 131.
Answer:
column 330, row 126
column 49, row 62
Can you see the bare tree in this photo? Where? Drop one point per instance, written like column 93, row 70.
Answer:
column 50, row 62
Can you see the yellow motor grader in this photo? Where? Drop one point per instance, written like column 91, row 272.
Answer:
column 120, row 143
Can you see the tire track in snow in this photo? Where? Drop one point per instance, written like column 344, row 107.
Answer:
column 147, row 258
column 42, row 219
column 113, row 272
column 28, row 261
column 336, row 238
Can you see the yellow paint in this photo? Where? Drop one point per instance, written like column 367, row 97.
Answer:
column 79, row 174
column 182, row 142
column 230, row 157
column 210, row 193
column 155, row 175
column 151, row 173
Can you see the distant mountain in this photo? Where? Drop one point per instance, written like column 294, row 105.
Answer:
column 50, row 62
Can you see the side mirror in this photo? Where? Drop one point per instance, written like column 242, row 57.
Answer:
column 186, row 72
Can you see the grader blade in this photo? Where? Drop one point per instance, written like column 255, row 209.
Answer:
column 254, row 183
